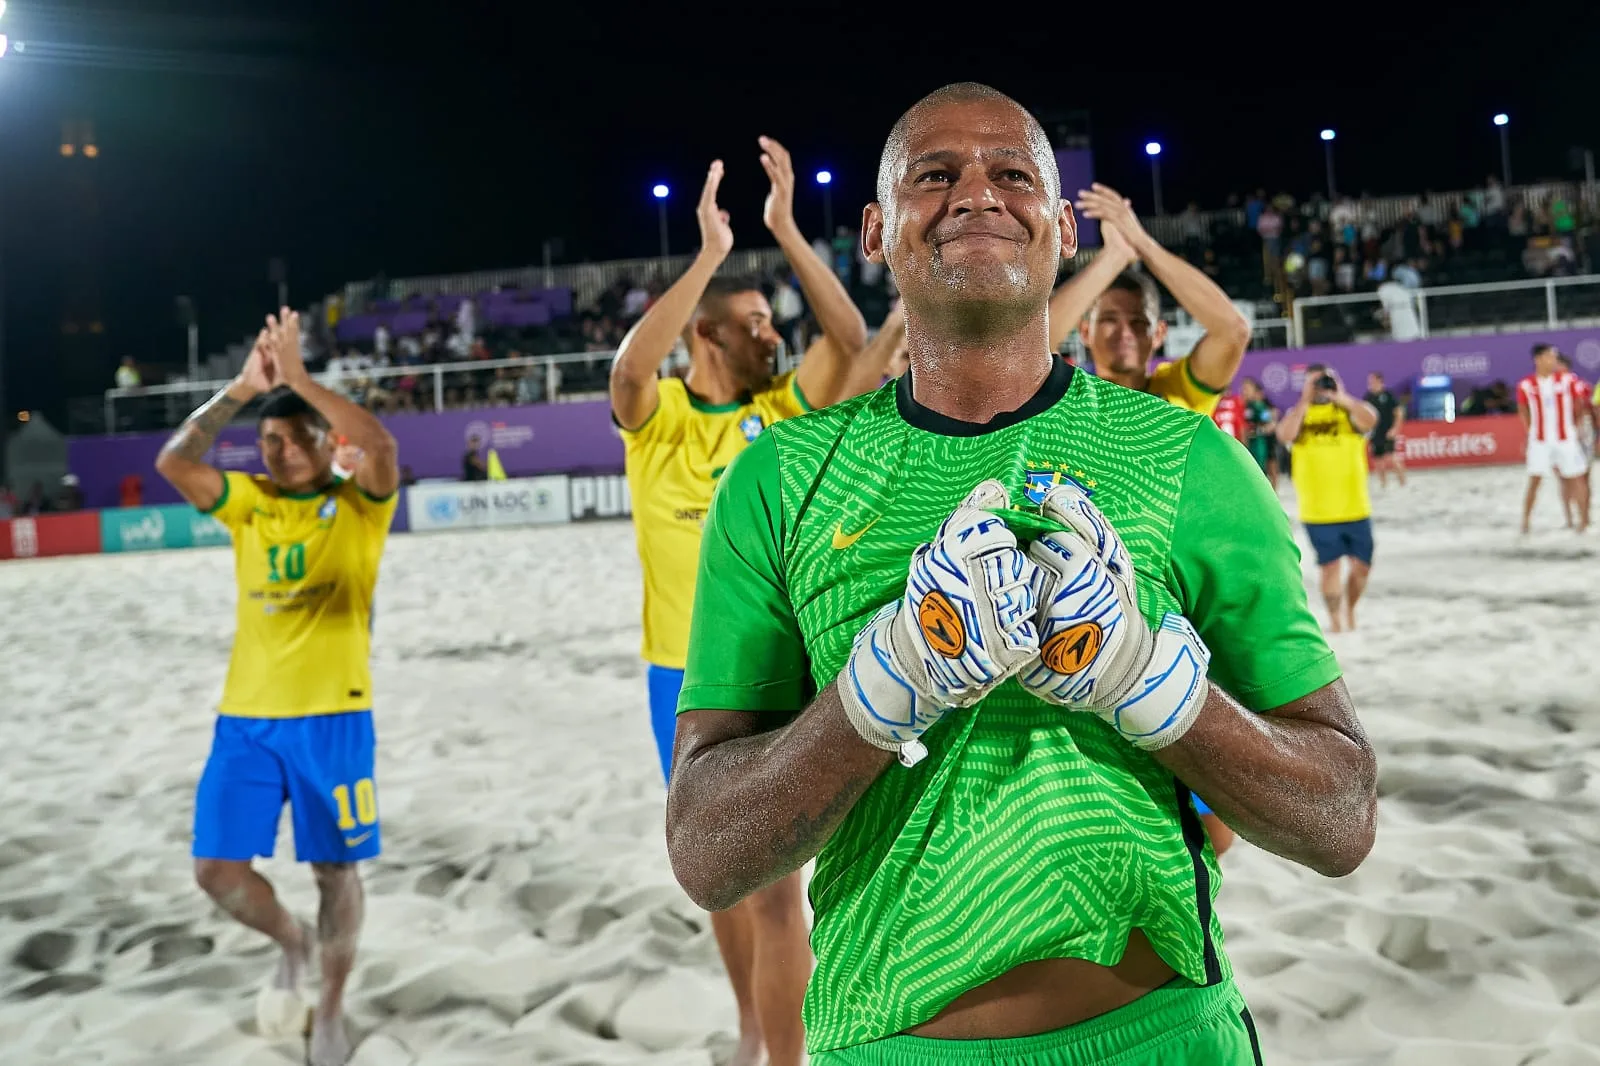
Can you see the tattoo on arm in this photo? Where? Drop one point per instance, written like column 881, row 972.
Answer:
column 809, row 832
column 195, row 437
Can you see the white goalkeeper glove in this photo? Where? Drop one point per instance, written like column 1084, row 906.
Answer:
column 965, row 624
column 1095, row 651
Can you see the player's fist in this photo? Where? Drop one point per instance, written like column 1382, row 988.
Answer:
column 964, row 624
column 1095, row 651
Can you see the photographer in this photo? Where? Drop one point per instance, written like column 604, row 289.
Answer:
column 1328, row 461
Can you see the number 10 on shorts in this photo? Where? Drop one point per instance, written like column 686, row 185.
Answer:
column 366, row 810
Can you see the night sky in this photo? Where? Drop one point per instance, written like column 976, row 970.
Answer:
column 352, row 138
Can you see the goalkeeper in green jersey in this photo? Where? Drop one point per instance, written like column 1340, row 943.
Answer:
column 971, row 639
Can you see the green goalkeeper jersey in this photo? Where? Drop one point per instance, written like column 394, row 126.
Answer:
column 1029, row 832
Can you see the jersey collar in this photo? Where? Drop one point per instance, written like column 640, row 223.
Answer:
column 1050, row 392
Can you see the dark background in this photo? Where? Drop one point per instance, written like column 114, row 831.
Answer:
column 353, row 138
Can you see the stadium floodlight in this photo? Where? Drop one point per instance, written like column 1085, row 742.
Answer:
column 1153, row 150
column 824, row 177
column 660, row 192
column 1502, row 119
column 1327, row 135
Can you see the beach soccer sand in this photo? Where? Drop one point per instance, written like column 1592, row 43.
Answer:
column 524, row 911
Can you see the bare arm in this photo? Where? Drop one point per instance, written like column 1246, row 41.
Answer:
column 830, row 364
column 1363, row 416
column 182, row 459
column 1289, row 424
column 1399, row 419
column 1300, row 781
column 639, row 357
column 875, row 360
column 1074, row 298
column 751, row 804
column 1216, row 358
column 1525, row 416
column 378, row 472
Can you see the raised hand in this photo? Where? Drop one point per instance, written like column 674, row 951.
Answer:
column 964, row 624
column 778, row 212
column 716, row 236
column 1096, row 653
column 1109, row 208
column 259, row 374
column 283, row 333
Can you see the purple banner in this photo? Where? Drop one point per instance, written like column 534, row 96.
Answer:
column 1469, row 362
column 553, row 438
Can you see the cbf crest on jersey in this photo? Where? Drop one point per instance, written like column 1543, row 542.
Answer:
column 1040, row 480
column 329, row 508
column 751, row 426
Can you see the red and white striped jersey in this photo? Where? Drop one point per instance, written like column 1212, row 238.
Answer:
column 1552, row 403
column 1229, row 416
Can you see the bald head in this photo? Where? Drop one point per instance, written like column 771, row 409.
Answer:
column 962, row 92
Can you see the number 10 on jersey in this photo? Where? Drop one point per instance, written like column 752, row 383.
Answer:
column 286, row 562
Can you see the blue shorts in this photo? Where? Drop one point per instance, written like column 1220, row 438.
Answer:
column 322, row 766
column 664, row 686
column 1333, row 541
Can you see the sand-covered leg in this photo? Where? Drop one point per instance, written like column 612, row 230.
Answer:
column 338, row 932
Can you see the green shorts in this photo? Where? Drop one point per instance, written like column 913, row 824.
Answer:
column 1179, row 1024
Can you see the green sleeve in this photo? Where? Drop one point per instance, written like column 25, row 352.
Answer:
column 745, row 648
column 1236, row 566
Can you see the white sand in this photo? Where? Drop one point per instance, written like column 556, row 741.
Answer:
column 524, row 910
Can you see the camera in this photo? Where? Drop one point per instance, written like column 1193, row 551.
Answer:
column 1328, row 383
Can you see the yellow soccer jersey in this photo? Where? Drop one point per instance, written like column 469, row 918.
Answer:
column 1174, row 383
column 307, row 567
column 1328, row 461
column 673, row 463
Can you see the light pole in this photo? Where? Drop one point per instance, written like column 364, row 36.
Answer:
column 660, row 192
column 1327, row 155
column 1153, row 150
column 5, row 434
column 825, row 179
column 1503, row 120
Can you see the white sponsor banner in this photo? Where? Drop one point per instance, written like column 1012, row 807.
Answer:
column 600, row 496
column 484, row 504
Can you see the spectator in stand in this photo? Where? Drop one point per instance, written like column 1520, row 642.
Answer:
column 382, row 342
column 8, row 502
column 1344, row 270
column 1269, row 227
column 787, row 309
column 1494, row 203
column 634, row 302
column 1318, row 266
column 1344, row 222
column 1194, row 232
column 128, row 374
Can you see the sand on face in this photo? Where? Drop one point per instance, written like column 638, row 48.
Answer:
column 524, row 910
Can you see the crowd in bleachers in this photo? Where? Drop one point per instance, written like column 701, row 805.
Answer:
column 1259, row 248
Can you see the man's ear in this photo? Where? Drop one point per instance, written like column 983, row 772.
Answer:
column 872, row 232
column 1069, row 231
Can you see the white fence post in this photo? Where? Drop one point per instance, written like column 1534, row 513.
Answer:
column 438, row 389
column 1298, row 334
column 1550, row 302
column 1422, row 310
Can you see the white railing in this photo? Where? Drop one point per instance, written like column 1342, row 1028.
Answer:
column 1450, row 310
column 538, row 379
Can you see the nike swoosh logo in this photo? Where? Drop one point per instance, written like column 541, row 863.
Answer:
column 356, row 842
column 843, row 540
